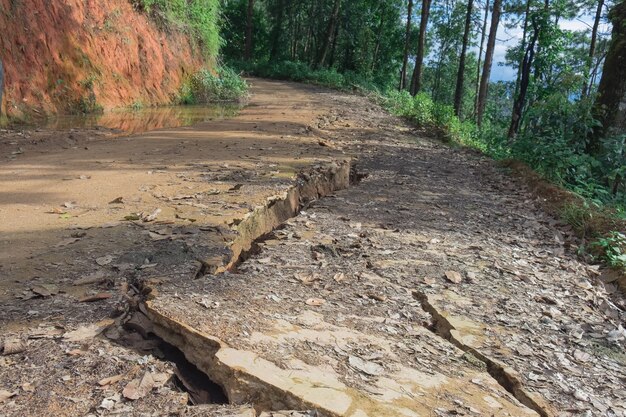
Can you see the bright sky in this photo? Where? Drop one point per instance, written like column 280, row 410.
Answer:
column 509, row 37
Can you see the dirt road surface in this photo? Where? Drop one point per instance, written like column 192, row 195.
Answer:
column 170, row 273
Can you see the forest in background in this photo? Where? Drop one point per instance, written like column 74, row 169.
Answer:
column 432, row 63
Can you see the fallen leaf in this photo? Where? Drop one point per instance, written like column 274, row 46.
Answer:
column 377, row 297
column 306, row 278
column 5, row 395
column 160, row 379
column 95, row 297
column 339, row 277
column 581, row 356
column 88, row 332
column 104, row 260
column 95, row 278
column 56, row 210
column 45, row 332
column 315, row 302
column 66, row 242
column 13, row 345
column 454, row 277
column 430, row 280
column 367, row 367
column 109, row 402
column 157, row 236
column 45, row 290
column 110, row 380
column 137, row 389
column 152, row 216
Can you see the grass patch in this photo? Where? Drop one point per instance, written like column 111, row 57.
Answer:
column 199, row 18
column 206, row 86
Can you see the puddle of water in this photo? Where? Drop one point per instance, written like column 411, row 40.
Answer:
column 143, row 120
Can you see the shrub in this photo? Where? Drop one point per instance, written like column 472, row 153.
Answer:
column 206, row 87
column 612, row 249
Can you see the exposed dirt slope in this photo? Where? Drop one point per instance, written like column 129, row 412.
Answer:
column 64, row 55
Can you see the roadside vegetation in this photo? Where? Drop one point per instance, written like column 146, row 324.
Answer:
column 432, row 64
column 200, row 19
column 208, row 86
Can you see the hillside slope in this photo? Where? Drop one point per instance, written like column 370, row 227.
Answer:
column 79, row 55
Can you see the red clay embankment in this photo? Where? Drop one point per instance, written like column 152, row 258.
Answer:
column 73, row 55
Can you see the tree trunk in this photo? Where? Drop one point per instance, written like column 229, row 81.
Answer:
column 330, row 31
column 460, row 77
column 491, row 43
column 592, row 48
column 523, row 48
column 480, row 55
column 407, row 42
column 416, row 80
column 309, row 32
column 610, row 105
column 333, row 48
column 379, row 38
column 1, row 85
column 276, row 30
column 247, row 55
column 520, row 100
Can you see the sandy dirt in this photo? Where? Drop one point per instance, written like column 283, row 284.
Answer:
column 435, row 286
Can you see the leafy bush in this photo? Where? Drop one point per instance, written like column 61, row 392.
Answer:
column 302, row 72
column 612, row 249
column 206, row 87
column 399, row 103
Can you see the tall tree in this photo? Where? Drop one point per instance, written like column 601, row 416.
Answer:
column 407, row 42
column 416, row 80
column 277, row 28
column 483, row 34
column 592, row 47
column 458, row 93
column 379, row 36
column 328, row 37
column 610, row 105
column 525, row 71
column 523, row 46
column 249, row 30
column 1, row 85
column 540, row 25
column 491, row 43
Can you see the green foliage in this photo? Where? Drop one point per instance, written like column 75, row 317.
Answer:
column 579, row 216
column 612, row 249
column 199, row 18
column 206, row 87
column 422, row 111
column 301, row 72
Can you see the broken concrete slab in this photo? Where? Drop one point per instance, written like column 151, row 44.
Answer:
column 283, row 360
